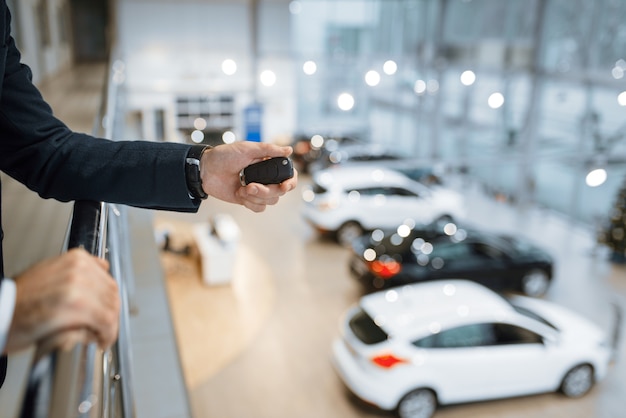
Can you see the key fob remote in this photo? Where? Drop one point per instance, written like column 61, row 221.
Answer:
column 270, row 171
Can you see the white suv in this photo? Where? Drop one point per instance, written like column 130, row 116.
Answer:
column 348, row 201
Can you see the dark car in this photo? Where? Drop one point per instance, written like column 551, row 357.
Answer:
column 500, row 261
column 309, row 148
column 357, row 153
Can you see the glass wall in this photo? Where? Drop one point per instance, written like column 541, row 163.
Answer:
column 523, row 95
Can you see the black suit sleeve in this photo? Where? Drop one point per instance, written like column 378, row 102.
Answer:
column 41, row 152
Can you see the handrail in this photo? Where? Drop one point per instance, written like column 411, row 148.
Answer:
column 122, row 400
column 69, row 383
column 85, row 381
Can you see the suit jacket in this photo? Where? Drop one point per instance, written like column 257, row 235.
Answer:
column 41, row 152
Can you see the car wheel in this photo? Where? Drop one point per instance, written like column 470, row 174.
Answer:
column 348, row 232
column 535, row 283
column 420, row 403
column 578, row 381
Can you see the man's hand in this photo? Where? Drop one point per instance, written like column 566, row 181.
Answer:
column 64, row 295
column 220, row 167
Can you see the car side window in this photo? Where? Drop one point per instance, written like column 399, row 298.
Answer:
column 512, row 334
column 486, row 250
column 318, row 189
column 385, row 191
column 474, row 335
column 450, row 251
column 359, row 158
column 371, row 191
column 399, row 191
column 373, row 157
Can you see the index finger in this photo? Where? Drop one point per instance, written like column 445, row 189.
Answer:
column 264, row 150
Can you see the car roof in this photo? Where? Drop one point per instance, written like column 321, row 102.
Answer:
column 359, row 149
column 359, row 176
column 434, row 232
column 427, row 307
column 475, row 235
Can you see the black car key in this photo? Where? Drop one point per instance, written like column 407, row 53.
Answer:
column 270, row 171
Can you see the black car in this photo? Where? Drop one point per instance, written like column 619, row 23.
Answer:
column 357, row 153
column 500, row 261
column 306, row 151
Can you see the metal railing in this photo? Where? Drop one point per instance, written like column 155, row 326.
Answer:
column 87, row 381
column 84, row 381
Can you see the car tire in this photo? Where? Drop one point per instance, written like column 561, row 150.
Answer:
column 348, row 232
column 578, row 381
column 535, row 283
column 420, row 403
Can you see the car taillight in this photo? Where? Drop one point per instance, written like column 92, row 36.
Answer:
column 385, row 269
column 387, row 361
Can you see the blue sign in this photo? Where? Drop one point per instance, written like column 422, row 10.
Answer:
column 252, row 116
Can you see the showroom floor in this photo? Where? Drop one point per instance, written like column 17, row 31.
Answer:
column 259, row 346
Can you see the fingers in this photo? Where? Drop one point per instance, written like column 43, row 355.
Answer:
column 263, row 150
column 220, row 169
column 69, row 292
column 290, row 184
column 257, row 197
column 103, row 263
column 91, row 299
column 64, row 340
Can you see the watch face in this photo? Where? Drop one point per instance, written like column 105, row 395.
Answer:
column 193, row 161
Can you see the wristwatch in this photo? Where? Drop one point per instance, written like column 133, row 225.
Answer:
column 192, row 171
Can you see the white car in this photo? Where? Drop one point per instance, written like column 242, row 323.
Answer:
column 412, row 348
column 348, row 201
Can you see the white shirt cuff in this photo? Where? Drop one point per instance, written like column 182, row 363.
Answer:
column 7, row 305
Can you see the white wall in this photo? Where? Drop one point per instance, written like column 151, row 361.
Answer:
column 312, row 22
column 44, row 62
column 173, row 48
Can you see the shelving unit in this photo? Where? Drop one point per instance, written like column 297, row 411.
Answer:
column 217, row 110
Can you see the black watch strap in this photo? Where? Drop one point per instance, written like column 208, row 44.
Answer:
column 192, row 171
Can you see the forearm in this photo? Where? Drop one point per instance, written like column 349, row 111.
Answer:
column 80, row 167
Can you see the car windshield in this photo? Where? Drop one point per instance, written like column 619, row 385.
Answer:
column 533, row 315
column 518, row 245
column 365, row 329
column 382, row 157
